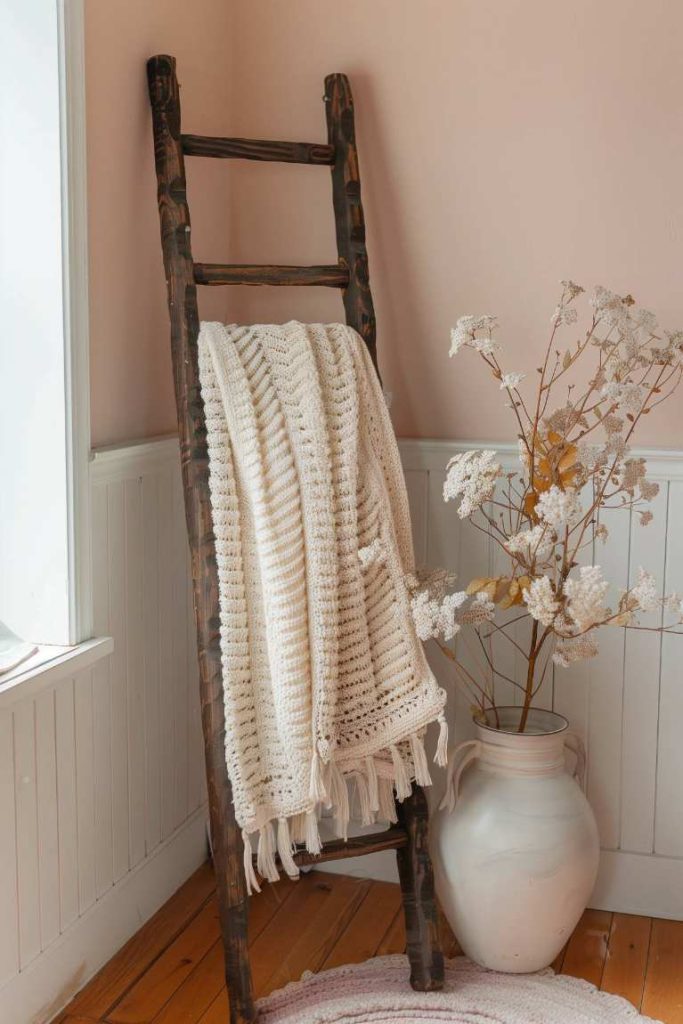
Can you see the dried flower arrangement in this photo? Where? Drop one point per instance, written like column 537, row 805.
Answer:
column 574, row 463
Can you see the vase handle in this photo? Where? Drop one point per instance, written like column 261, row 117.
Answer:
column 573, row 742
column 463, row 755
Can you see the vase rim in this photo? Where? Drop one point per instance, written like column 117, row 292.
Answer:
column 556, row 722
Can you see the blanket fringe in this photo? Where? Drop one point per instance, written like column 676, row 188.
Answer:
column 317, row 789
column 417, row 749
column 339, row 795
column 265, row 856
column 377, row 797
column 387, row 802
column 401, row 780
column 367, row 816
column 249, row 873
column 373, row 789
column 441, row 756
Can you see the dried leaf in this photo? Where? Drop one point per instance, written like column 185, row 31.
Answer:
column 567, row 361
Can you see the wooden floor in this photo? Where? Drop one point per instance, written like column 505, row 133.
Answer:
column 171, row 972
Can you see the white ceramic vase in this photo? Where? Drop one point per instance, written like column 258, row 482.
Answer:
column 515, row 845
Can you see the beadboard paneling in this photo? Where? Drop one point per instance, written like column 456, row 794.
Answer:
column 627, row 703
column 102, row 792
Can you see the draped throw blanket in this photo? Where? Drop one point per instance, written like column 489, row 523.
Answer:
column 324, row 677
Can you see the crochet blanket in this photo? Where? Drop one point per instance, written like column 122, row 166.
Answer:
column 325, row 679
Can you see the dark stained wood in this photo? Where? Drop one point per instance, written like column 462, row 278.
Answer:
column 229, row 273
column 258, row 149
column 182, row 276
column 174, row 216
column 337, row 849
column 348, row 210
column 417, row 889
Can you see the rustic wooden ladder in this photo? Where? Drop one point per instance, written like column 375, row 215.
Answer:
column 350, row 274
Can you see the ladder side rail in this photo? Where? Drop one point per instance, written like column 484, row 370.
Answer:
column 182, row 303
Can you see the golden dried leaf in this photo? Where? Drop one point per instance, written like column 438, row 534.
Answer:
column 479, row 583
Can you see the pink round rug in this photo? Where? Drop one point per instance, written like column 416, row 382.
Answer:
column 377, row 992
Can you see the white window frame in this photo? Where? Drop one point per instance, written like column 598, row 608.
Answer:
column 71, row 27
column 63, row 598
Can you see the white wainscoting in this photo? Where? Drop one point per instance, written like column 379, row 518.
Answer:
column 627, row 703
column 102, row 792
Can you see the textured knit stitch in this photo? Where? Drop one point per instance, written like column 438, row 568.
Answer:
column 378, row 992
column 324, row 676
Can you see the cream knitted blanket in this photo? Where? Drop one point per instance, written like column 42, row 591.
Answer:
column 324, row 676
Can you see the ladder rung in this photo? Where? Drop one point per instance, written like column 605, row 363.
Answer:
column 258, row 149
column 334, row 276
column 395, row 838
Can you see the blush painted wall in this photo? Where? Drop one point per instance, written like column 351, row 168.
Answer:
column 132, row 392
column 504, row 144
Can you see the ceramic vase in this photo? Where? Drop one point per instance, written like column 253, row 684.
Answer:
column 515, row 844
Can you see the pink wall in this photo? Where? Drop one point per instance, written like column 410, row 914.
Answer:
column 131, row 392
column 504, row 144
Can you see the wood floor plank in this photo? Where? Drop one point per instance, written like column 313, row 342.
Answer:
column 304, row 941
column 206, row 980
column 627, row 953
column 133, row 959
column 395, row 939
column 663, row 992
column 559, row 959
column 587, row 948
column 146, row 998
column 368, row 926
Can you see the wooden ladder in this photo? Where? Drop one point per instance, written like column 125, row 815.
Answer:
column 350, row 274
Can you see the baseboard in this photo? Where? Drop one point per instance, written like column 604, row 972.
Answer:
column 37, row 994
column 634, row 883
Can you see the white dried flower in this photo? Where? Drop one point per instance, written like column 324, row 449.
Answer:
column 564, row 315
column 674, row 603
column 559, row 508
column 471, row 476
column 645, row 591
column 465, row 333
column 434, row 618
column 646, row 518
column 628, row 396
column 534, row 544
column 574, row 648
column 481, row 610
column 601, row 533
column 511, row 380
column 585, row 596
column 540, row 600
column 572, row 289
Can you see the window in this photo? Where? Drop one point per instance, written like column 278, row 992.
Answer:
column 44, row 416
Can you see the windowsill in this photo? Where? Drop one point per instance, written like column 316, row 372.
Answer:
column 50, row 664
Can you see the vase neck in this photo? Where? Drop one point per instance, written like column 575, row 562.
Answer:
column 519, row 754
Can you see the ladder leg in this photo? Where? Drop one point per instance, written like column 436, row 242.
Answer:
column 182, row 302
column 417, row 889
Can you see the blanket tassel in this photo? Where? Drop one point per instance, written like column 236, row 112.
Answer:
column 401, row 780
column 366, row 815
column 312, row 836
column 373, row 789
column 339, row 795
column 387, row 803
column 265, row 857
column 417, row 749
column 249, row 873
column 284, row 849
column 441, row 756
column 317, row 789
